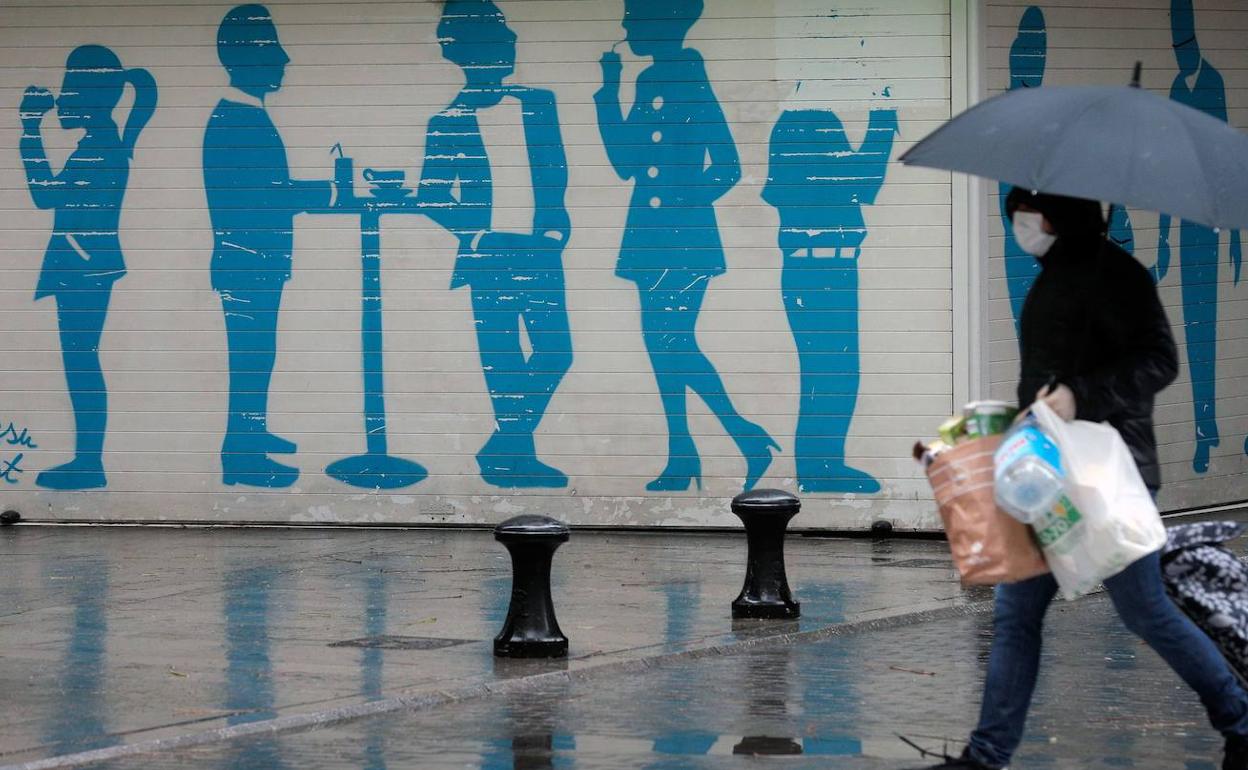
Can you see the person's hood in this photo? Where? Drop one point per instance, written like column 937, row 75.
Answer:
column 1074, row 219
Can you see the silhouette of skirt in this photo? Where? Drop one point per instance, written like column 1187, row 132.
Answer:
column 93, row 264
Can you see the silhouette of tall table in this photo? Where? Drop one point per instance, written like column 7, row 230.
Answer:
column 376, row 468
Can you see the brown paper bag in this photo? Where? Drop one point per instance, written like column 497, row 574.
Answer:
column 989, row 546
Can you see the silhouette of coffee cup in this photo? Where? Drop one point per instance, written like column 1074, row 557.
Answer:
column 384, row 179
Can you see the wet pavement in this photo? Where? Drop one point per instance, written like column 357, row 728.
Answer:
column 1103, row 702
column 125, row 636
column 114, row 636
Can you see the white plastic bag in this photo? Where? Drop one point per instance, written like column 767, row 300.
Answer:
column 1109, row 520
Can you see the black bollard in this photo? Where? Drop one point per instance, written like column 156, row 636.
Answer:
column 765, row 514
column 531, row 630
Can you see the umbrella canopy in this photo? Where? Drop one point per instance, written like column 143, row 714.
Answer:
column 1107, row 143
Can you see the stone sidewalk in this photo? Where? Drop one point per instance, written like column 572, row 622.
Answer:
column 138, row 637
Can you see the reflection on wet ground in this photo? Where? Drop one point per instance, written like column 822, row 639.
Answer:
column 1104, row 701
column 117, row 635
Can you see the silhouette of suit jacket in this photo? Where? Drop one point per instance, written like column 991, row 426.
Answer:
column 252, row 200
column 455, row 157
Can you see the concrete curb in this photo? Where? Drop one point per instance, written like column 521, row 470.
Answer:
column 493, row 686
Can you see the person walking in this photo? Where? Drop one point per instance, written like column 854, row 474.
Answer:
column 1095, row 345
column 676, row 148
column 84, row 258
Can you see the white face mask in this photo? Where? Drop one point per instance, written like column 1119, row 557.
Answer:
column 1030, row 235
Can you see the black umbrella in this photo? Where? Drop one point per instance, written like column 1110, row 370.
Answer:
column 1107, row 143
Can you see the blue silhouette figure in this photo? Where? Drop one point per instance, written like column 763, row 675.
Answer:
column 1027, row 61
column 252, row 202
column 676, row 148
column 819, row 183
column 515, row 277
column 84, row 257
column 1199, row 85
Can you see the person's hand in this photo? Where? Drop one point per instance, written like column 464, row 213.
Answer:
column 1060, row 399
column 612, row 67
column 36, row 102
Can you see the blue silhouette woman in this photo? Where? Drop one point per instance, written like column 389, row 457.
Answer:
column 252, row 202
column 1200, row 86
column 515, row 277
column 1027, row 61
column 671, row 246
column 819, row 183
column 84, row 257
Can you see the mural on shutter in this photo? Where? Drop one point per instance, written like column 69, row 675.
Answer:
column 644, row 201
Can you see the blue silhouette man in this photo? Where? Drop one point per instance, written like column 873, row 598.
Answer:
column 1028, row 54
column 1199, row 85
column 676, row 148
column 515, row 277
column 819, row 183
column 84, row 258
column 252, row 202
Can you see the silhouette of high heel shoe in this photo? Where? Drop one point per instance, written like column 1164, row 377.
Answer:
column 676, row 476
column 756, row 446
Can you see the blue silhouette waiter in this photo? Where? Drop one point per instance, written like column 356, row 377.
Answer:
column 1200, row 86
column 252, row 202
column 515, row 277
column 819, row 183
column 84, row 258
column 676, row 148
column 1027, row 62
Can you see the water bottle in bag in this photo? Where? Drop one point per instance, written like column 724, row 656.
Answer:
column 1028, row 474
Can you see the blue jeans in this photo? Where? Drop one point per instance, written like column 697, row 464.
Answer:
column 1145, row 609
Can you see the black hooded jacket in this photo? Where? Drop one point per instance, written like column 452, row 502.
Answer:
column 1092, row 321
